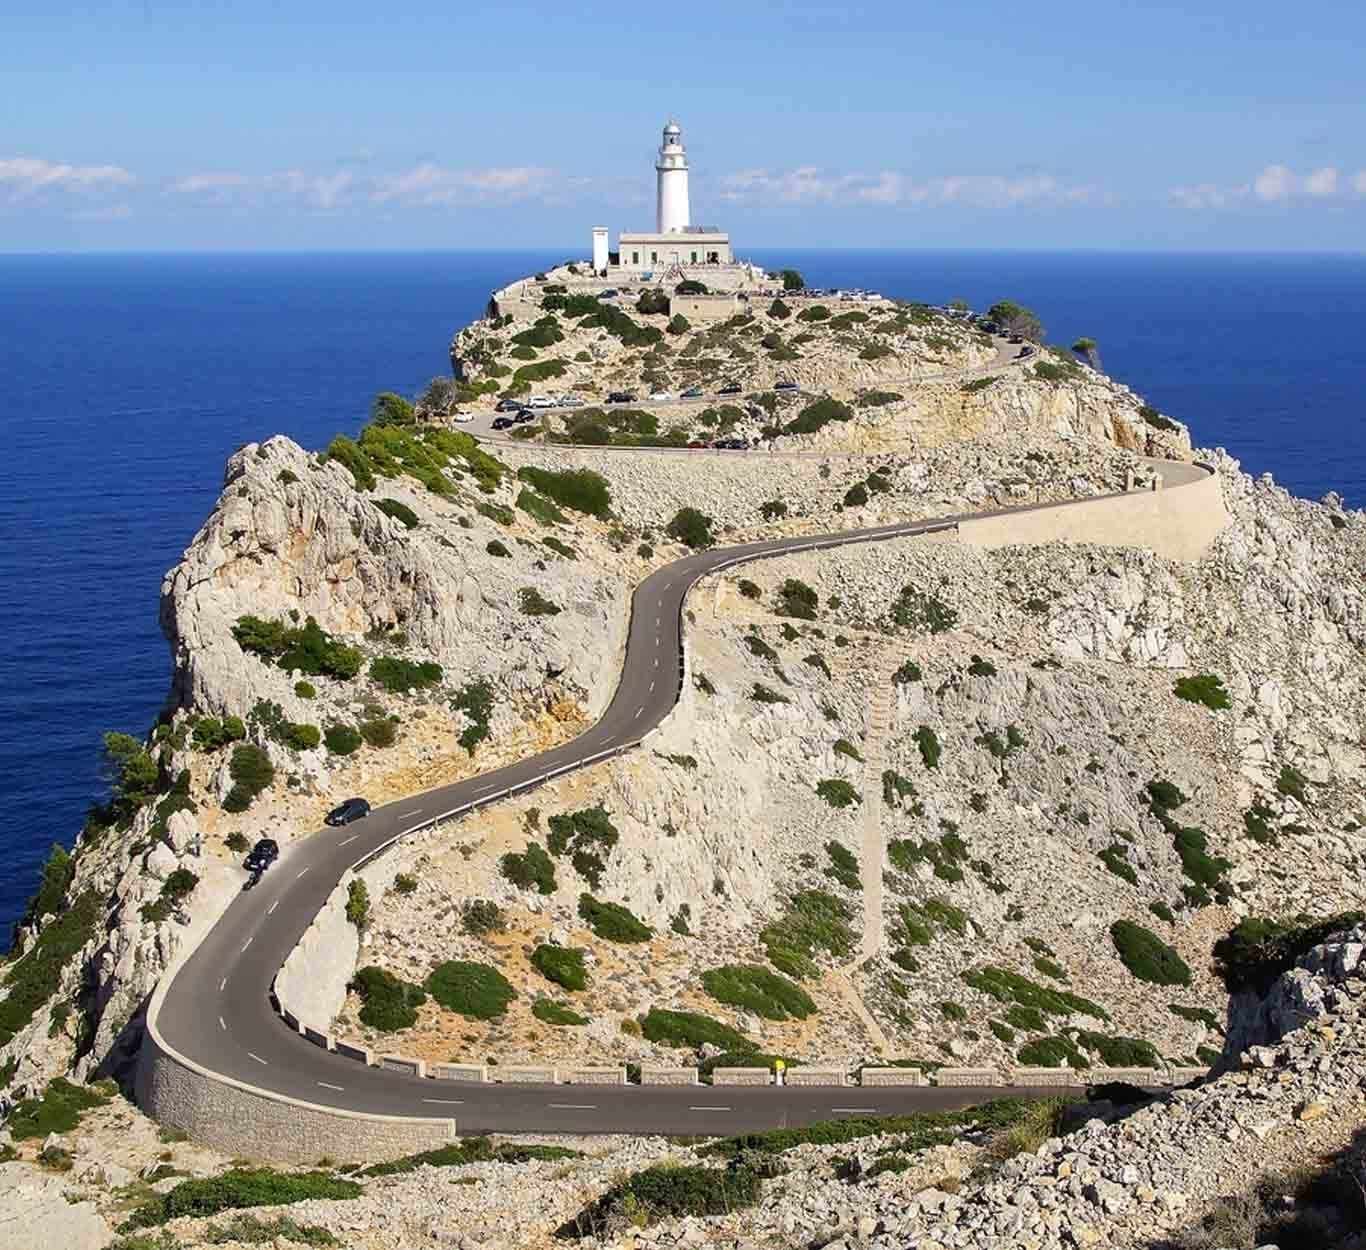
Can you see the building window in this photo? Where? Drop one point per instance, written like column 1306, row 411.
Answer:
column 654, row 257
column 694, row 258
column 635, row 258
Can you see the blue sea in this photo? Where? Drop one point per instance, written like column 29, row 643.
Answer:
column 128, row 380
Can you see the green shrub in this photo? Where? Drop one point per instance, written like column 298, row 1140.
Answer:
column 1119, row 1052
column 305, row 649
column 588, row 837
column 877, row 399
column 1205, row 688
column 817, row 415
column 479, row 916
column 748, row 589
column 1010, row 987
column 476, row 701
column 58, row 873
column 1052, row 1052
column 580, row 490
column 560, row 548
column 667, row 1190
column 239, row 1187
column 856, row 496
column 773, row 509
column 981, row 668
column 399, row 511
column 690, row 1028
column 58, row 1110
column 400, row 676
column 471, row 1150
column 678, row 324
column 1258, row 949
column 251, row 772
column 928, row 742
column 531, row 602
column 548, row 1011
column 177, row 887
column 357, row 902
column 895, row 787
column 907, row 673
column 378, row 731
column 611, row 921
column 305, row 690
column 1196, row 1015
column 817, row 661
column 653, row 302
column 302, row 737
column 342, row 739
column 838, row 792
column 350, row 457
column 532, row 868
column 1162, row 912
column 247, row 1230
column 846, row 748
column 495, row 548
column 812, row 920
column 766, row 694
column 496, row 512
column 405, row 883
column 814, row 312
column 387, row 1003
column 914, row 609
column 796, row 599
column 691, row 528
column 1293, row 783
column 477, row 991
column 1116, row 858
column 1147, row 956
column 1156, row 419
column 561, row 964
column 539, row 508
column 754, row 988
column 210, row 733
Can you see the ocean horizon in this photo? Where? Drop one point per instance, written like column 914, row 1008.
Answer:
column 134, row 375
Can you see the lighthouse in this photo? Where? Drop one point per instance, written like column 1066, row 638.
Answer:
column 671, row 170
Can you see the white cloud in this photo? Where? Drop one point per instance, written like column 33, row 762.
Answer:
column 318, row 190
column 1321, row 182
column 432, row 184
column 1206, row 195
column 809, row 183
column 1275, row 182
column 1359, row 183
column 26, row 176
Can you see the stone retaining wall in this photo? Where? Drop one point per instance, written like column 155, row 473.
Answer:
column 668, row 1076
column 1045, row 1077
column 593, row 1075
column 741, row 1076
column 873, row 1077
column 815, row 1076
column 968, row 1076
column 525, row 1074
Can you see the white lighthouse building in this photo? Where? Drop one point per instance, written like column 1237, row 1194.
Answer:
column 671, row 193
column 676, row 245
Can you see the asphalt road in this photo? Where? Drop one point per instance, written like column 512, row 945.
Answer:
column 217, row 1011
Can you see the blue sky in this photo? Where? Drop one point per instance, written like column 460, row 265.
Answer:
column 198, row 125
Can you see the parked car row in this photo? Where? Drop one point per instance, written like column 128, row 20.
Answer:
column 720, row 444
column 267, row 850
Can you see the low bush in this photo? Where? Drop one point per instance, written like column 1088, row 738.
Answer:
column 496, row 548
column 530, row 869
column 1156, row 419
column 531, row 602
column 57, row 1110
column 928, row 742
column 748, row 589
column 1119, row 1052
column 471, row 1150
column 305, row 690
column 1147, row 956
column 838, row 792
column 387, row 1003
column 754, row 988
column 548, row 1011
column 306, row 649
column 690, row 1028
column 561, row 964
column 817, row 415
column 773, row 509
column 379, row 731
column 846, row 748
column 357, row 902
column 691, row 528
column 477, row 991
column 210, row 733
column 981, row 668
column 237, row 1188
column 814, row 312
column 766, row 694
column 299, row 737
column 1052, row 1052
column 479, row 916
column 1010, row 987
column 1258, row 949
column 796, row 599
column 1204, row 688
column 1293, row 784
column 405, row 883
column 611, row 921
column 342, row 739
column 580, row 490
column 907, row 673
column 817, row 661
column 915, row 609
column 400, row 676
column 877, row 399
column 856, row 496
column 177, row 887
column 1116, row 858
column 812, row 920
column 251, row 772
column 476, row 701
column 588, row 837
column 399, row 511
column 664, row 1191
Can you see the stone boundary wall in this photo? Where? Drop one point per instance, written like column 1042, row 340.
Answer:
column 240, row 1119
column 1178, row 522
column 874, row 1077
column 311, row 983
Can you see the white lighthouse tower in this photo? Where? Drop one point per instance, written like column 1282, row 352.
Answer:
column 671, row 215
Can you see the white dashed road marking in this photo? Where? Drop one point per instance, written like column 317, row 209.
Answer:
column 446, row 1102
column 417, row 811
column 854, row 1110
column 349, row 840
column 273, row 906
column 245, row 945
column 258, row 1059
column 222, row 985
column 300, row 873
column 338, row 1088
column 221, row 1025
column 574, row 1106
column 708, row 1108
column 639, row 710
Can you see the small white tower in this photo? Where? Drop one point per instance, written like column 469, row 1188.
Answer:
column 671, row 214
column 600, row 249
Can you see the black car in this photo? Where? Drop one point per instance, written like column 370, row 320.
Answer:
column 693, row 392
column 345, row 813
column 262, row 855
column 506, row 405
column 787, row 384
column 523, row 415
column 502, row 423
column 621, row 397
column 730, row 388
column 731, row 444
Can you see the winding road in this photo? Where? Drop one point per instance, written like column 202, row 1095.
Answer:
column 217, row 1011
